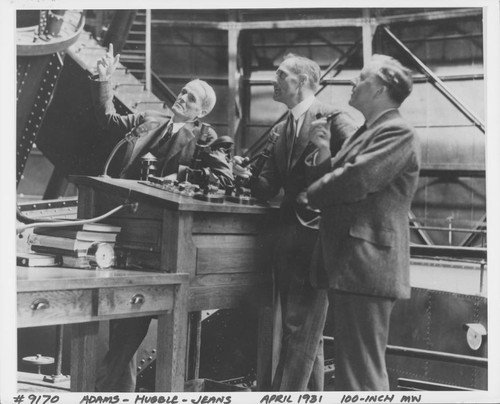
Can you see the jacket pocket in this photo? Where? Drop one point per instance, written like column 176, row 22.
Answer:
column 379, row 236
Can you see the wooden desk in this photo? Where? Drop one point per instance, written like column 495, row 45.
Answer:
column 225, row 248
column 52, row 296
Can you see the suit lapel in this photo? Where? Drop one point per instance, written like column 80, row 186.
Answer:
column 281, row 147
column 179, row 140
column 302, row 142
column 138, row 147
column 351, row 147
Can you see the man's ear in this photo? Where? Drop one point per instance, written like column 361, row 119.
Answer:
column 380, row 91
column 303, row 79
column 202, row 113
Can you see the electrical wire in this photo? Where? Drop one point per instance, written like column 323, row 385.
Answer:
column 72, row 222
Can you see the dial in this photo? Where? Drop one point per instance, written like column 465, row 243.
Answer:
column 475, row 335
column 101, row 255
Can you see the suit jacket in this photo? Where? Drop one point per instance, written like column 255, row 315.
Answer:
column 277, row 173
column 364, row 194
column 181, row 145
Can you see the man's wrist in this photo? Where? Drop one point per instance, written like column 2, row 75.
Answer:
column 322, row 154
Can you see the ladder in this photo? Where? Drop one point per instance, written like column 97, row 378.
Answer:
column 136, row 51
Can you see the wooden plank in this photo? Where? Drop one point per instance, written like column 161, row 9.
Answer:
column 194, row 346
column 265, row 347
column 229, row 260
column 141, row 234
column 135, row 191
column 172, row 335
column 220, row 223
column 222, row 297
column 105, row 201
column 51, row 307
column 232, row 279
column 57, row 278
column 136, row 299
column 231, row 253
column 178, row 253
column 83, row 356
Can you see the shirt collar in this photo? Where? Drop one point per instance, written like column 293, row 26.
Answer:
column 176, row 126
column 373, row 120
column 302, row 107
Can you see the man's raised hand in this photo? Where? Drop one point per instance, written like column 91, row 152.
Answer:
column 107, row 64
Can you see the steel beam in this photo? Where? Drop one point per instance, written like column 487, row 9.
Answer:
column 233, row 81
column 436, row 82
column 322, row 23
column 437, row 356
column 448, row 251
column 480, row 227
column 337, row 65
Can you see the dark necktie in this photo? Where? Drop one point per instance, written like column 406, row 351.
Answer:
column 291, row 137
column 168, row 134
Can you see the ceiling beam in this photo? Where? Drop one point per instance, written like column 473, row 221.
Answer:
column 322, row 23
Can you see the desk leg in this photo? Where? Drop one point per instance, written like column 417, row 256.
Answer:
column 171, row 354
column 265, row 350
column 194, row 345
column 83, row 356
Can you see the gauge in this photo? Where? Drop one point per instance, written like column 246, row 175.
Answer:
column 101, row 255
column 475, row 335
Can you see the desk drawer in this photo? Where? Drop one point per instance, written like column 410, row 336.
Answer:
column 53, row 307
column 135, row 299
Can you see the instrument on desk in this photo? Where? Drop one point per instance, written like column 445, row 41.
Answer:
column 198, row 180
column 196, row 173
column 242, row 193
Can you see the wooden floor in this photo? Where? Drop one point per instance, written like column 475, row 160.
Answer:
column 33, row 382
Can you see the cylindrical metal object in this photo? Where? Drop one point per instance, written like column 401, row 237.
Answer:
column 148, row 166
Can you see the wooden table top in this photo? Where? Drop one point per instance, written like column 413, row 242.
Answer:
column 30, row 279
column 132, row 189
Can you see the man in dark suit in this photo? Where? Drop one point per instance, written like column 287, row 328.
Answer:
column 173, row 142
column 364, row 193
column 301, row 356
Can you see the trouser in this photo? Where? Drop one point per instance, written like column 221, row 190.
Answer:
column 118, row 370
column 301, row 361
column 361, row 331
